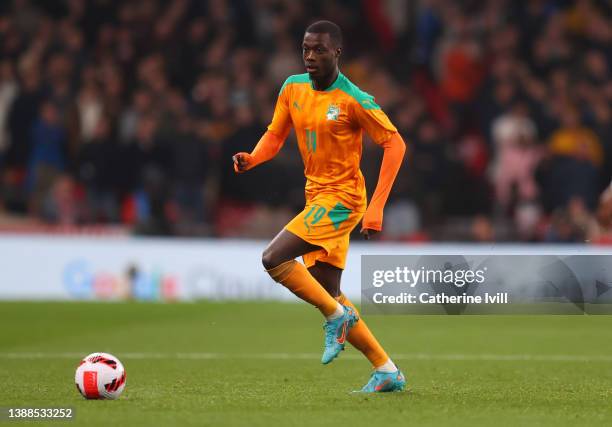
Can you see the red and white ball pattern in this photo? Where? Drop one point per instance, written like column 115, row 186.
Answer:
column 100, row 376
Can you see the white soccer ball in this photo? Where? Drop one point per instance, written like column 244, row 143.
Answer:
column 100, row 376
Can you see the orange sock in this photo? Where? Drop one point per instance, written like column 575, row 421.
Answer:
column 362, row 338
column 295, row 277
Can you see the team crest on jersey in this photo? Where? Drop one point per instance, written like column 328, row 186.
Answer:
column 332, row 112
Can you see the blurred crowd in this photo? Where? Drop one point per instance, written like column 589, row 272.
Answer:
column 128, row 112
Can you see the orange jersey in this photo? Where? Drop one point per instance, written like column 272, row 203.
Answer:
column 329, row 125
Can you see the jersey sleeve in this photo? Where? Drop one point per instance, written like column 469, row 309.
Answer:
column 281, row 120
column 371, row 118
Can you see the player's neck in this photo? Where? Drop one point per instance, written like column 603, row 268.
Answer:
column 327, row 81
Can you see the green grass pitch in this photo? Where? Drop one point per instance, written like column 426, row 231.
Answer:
column 257, row 364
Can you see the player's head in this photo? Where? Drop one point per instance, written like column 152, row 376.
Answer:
column 321, row 48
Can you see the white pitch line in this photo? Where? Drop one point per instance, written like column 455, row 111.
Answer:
column 316, row 356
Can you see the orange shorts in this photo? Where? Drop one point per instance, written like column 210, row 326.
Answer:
column 327, row 223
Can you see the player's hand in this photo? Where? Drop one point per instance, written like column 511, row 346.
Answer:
column 241, row 162
column 371, row 223
column 368, row 233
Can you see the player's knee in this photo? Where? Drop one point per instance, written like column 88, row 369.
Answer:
column 268, row 259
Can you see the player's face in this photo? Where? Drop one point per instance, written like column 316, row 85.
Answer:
column 319, row 54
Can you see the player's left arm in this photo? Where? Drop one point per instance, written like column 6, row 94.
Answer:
column 376, row 123
column 392, row 161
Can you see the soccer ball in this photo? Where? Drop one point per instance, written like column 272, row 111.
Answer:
column 100, row 376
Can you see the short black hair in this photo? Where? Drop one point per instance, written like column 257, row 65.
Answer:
column 322, row 27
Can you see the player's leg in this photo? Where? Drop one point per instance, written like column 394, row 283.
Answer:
column 285, row 246
column 386, row 376
column 328, row 276
column 360, row 335
column 279, row 260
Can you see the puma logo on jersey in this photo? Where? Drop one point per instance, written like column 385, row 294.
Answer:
column 297, row 106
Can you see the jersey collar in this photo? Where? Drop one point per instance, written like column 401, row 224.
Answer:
column 333, row 86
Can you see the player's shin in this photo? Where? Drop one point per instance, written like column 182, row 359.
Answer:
column 363, row 340
column 295, row 277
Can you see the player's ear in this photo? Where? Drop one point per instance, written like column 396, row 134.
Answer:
column 338, row 52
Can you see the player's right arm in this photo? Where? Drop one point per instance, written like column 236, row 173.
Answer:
column 268, row 146
column 272, row 141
